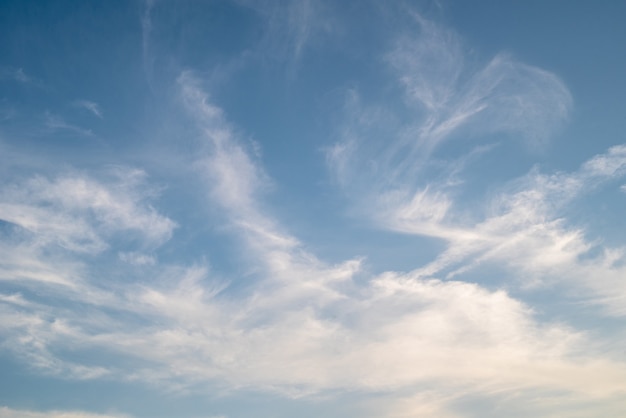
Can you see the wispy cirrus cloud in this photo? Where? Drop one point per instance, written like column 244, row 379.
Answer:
column 290, row 27
column 137, row 258
column 92, row 107
column 524, row 228
column 96, row 284
column 77, row 212
column 53, row 232
column 381, row 151
column 505, row 95
column 390, row 167
column 298, row 326
column 303, row 326
column 57, row 123
column 316, row 335
column 16, row 74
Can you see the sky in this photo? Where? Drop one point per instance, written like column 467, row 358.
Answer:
column 311, row 208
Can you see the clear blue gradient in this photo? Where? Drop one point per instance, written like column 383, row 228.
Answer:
column 224, row 209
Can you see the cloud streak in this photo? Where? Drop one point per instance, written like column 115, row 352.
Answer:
column 383, row 153
column 524, row 229
column 57, row 123
column 18, row 75
column 78, row 212
column 289, row 28
column 92, row 107
column 17, row 413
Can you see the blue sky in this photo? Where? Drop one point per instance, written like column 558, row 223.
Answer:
column 222, row 209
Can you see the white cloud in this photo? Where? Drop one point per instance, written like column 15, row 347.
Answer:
column 79, row 213
column 16, row 74
column 137, row 259
column 234, row 180
column 20, row 76
column 424, row 404
column 75, row 235
column 413, row 343
column 56, row 123
column 504, row 96
column 54, row 243
column 383, row 156
column 525, row 231
column 300, row 326
column 307, row 327
column 429, row 64
column 610, row 164
column 23, row 261
column 389, row 168
column 93, row 107
column 6, row 412
column 289, row 28
column 316, row 334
